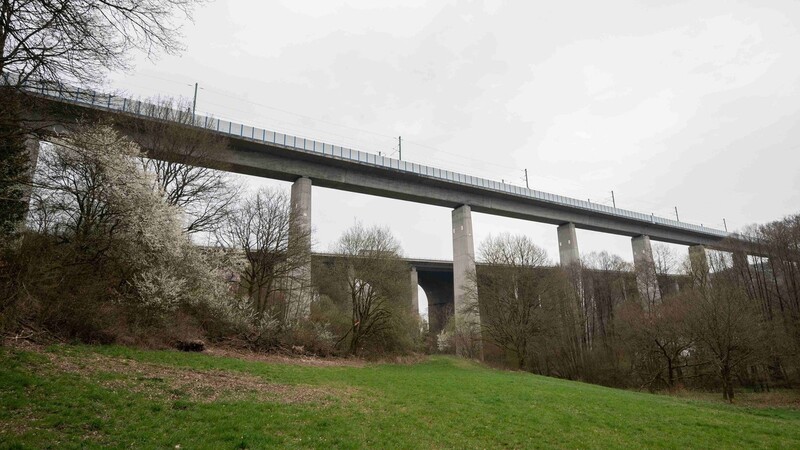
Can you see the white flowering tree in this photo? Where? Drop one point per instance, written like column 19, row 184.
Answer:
column 177, row 149
column 96, row 202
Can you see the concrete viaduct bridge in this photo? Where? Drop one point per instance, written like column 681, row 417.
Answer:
column 306, row 162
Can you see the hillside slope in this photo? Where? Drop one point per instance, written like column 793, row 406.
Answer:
column 73, row 396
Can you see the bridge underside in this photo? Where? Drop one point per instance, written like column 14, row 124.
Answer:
column 438, row 287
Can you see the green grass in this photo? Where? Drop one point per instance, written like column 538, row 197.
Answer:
column 64, row 398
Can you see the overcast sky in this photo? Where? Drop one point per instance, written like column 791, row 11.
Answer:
column 691, row 104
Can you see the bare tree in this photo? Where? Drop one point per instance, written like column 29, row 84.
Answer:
column 726, row 323
column 14, row 170
column 369, row 276
column 665, row 260
column 660, row 338
column 512, row 285
column 771, row 280
column 605, row 278
column 647, row 279
column 177, row 151
column 668, row 266
column 262, row 227
column 78, row 39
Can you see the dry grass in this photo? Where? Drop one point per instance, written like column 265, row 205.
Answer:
column 779, row 398
column 157, row 381
column 271, row 358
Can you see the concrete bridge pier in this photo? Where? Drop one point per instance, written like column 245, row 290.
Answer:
column 568, row 245
column 414, row 279
column 301, row 293
column 301, row 203
column 645, row 268
column 467, row 317
column 32, row 145
column 570, row 259
column 698, row 260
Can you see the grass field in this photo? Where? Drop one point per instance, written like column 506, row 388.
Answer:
column 77, row 396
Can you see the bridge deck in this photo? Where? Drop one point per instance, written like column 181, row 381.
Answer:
column 265, row 153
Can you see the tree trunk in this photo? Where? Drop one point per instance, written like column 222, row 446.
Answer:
column 727, row 388
column 354, row 341
column 670, row 376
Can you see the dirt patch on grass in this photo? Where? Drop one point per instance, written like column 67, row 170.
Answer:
column 779, row 398
column 776, row 399
column 164, row 382
column 411, row 359
column 313, row 361
column 21, row 422
column 272, row 358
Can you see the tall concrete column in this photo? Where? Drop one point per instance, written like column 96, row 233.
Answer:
column 32, row 145
column 699, row 263
column 464, row 287
column 568, row 245
column 301, row 293
column 645, row 269
column 301, row 203
column 571, row 263
column 414, row 290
